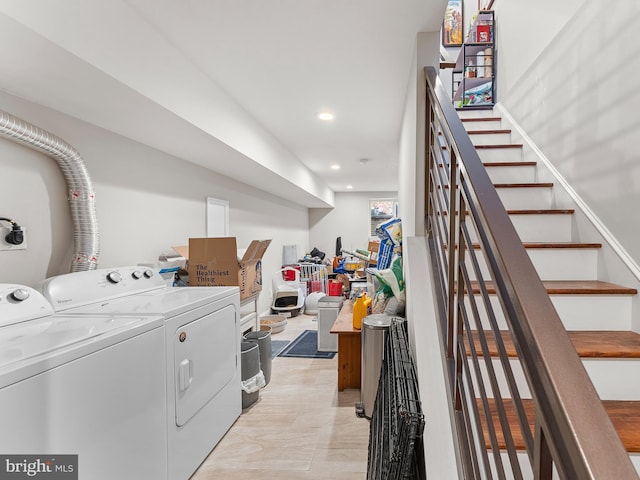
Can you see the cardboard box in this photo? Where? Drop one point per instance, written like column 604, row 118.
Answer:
column 373, row 248
column 214, row 262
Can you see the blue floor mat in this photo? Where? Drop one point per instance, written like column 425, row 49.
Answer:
column 277, row 346
column 305, row 346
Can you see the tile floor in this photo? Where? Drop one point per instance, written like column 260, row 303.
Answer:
column 301, row 427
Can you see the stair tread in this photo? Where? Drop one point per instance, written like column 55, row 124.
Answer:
column 624, row 414
column 524, row 185
column 553, row 245
column 482, row 119
column 500, row 145
column 539, row 211
column 573, row 287
column 509, row 164
column 500, row 164
column 550, row 211
column 495, row 131
column 573, row 245
column 588, row 344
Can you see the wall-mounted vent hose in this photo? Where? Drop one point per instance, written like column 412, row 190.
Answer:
column 80, row 189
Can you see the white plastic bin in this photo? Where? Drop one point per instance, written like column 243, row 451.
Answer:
column 328, row 309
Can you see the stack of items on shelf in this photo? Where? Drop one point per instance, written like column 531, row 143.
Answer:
column 474, row 72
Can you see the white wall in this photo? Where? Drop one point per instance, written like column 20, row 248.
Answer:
column 569, row 80
column 411, row 147
column 349, row 219
column 439, row 451
column 146, row 202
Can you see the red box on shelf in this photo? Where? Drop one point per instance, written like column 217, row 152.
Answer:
column 483, row 33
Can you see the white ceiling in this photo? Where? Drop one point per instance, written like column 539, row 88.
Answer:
column 235, row 79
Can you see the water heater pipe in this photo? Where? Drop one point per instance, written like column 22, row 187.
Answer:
column 80, row 189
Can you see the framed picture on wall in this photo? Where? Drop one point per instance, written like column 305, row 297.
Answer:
column 452, row 25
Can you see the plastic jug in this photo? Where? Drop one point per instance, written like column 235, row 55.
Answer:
column 361, row 308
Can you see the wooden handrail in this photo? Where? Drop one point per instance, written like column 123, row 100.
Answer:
column 572, row 429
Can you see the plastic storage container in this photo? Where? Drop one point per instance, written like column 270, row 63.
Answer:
column 328, row 309
column 263, row 339
column 250, row 370
column 375, row 328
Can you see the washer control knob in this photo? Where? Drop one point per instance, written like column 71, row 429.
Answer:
column 20, row 294
column 114, row 277
column 148, row 273
column 137, row 274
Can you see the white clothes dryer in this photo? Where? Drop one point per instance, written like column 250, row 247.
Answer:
column 202, row 349
column 86, row 385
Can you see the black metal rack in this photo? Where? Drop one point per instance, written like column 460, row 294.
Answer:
column 397, row 422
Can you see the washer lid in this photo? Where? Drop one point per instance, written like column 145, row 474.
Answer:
column 32, row 347
column 169, row 301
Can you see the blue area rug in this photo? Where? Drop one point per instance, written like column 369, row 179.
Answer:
column 305, row 346
column 277, row 346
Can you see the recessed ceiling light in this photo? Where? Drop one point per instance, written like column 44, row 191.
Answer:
column 335, row 167
column 325, row 116
column 349, row 187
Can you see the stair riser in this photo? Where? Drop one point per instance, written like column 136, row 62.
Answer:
column 512, row 174
column 635, row 460
column 577, row 312
column 486, row 125
column 508, row 174
column 607, row 375
column 500, row 154
column 553, row 264
column 543, row 228
column 526, row 198
column 490, row 138
column 539, row 228
column 615, row 379
column 471, row 113
column 594, row 312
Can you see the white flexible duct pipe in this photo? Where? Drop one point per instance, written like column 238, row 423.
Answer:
column 81, row 195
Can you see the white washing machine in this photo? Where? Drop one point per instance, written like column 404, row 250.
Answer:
column 86, row 385
column 202, row 349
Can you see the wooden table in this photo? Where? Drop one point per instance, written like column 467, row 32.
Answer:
column 349, row 345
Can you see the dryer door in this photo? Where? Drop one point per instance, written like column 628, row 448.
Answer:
column 205, row 360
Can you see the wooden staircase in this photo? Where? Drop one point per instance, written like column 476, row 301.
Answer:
column 596, row 313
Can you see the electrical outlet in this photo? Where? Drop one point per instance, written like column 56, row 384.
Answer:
column 4, row 231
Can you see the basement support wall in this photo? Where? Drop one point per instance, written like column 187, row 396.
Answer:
column 439, row 451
